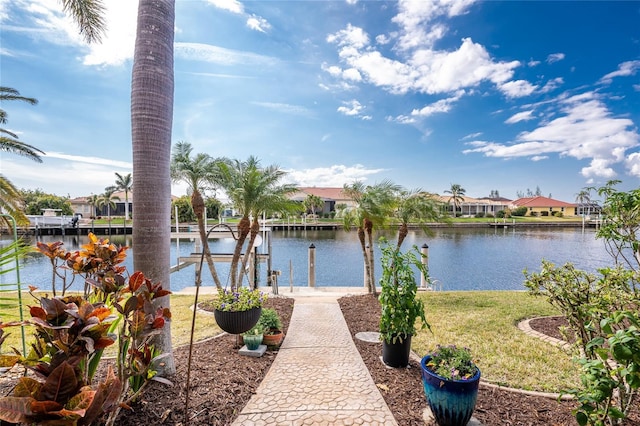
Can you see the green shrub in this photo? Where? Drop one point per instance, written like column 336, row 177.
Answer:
column 479, row 214
column 520, row 211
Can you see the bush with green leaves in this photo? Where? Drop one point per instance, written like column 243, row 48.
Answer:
column 520, row 211
column 400, row 307
column 612, row 376
column 269, row 320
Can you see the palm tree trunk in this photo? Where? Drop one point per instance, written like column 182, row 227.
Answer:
column 197, row 203
column 244, row 227
column 151, row 123
column 255, row 229
column 403, row 231
column 365, row 256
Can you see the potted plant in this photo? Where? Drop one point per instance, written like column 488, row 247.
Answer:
column 400, row 308
column 272, row 326
column 450, row 379
column 238, row 311
column 253, row 338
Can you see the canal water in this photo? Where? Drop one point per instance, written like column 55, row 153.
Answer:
column 459, row 259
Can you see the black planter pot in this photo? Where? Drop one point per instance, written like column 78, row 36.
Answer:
column 397, row 354
column 237, row 322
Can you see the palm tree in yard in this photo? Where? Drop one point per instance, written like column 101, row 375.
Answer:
column 124, row 183
column 199, row 174
column 151, row 121
column 93, row 202
column 253, row 190
column 457, row 196
column 10, row 200
column 416, row 207
column 374, row 206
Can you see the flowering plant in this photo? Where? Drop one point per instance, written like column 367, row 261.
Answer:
column 241, row 300
column 452, row 363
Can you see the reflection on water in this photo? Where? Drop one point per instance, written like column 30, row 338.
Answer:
column 461, row 259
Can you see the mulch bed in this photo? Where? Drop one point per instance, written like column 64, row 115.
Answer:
column 402, row 388
column 222, row 382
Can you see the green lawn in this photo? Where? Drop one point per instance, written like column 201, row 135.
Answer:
column 485, row 322
column 181, row 311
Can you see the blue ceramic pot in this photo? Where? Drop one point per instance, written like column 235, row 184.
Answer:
column 451, row 401
column 252, row 341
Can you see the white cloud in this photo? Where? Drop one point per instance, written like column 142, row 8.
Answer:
column 472, row 136
column 533, row 63
column 96, row 173
column 440, row 106
column 517, row 88
column 539, row 157
column 552, row 85
column 46, row 21
column 254, row 22
column 258, row 23
column 351, row 37
column 521, row 116
column 625, row 69
column 555, row 57
column 332, row 176
column 416, row 19
column 636, row 87
column 286, row 108
column 220, row 55
column 633, row 164
column 353, row 108
column 585, row 130
column 232, row 6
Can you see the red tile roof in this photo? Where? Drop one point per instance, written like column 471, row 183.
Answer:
column 540, row 202
column 324, row 193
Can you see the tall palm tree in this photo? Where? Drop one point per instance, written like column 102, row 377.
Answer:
column 457, row 196
column 199, row 174
column 124, row 183
column 108, row 200
column 151, row 122
column 373, row 207
column 10, row 200
column 416, row 207
column 253, row 190
column 92, row 200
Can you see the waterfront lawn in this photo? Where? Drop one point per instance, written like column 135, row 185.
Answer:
column 486, row 322
column 181, row 315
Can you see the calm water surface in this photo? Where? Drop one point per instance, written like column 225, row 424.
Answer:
column 460, row 259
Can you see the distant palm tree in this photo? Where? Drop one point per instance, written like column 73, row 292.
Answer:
column 124, row 183
column 93, row 202
column 584, row 198
column 108, row 200
column 10, row 200
column 253, row 190
column 457, row 196
column 313, row 202
column 416, row 207
column 199, row 174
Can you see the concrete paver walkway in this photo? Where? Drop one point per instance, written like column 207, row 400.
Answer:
column 318, row 376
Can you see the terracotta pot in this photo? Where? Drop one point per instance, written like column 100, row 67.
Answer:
column 274, row 338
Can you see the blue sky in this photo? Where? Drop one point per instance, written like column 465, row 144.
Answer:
column 489, row 95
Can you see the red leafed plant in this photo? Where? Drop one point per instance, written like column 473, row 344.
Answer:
column 71, row 333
